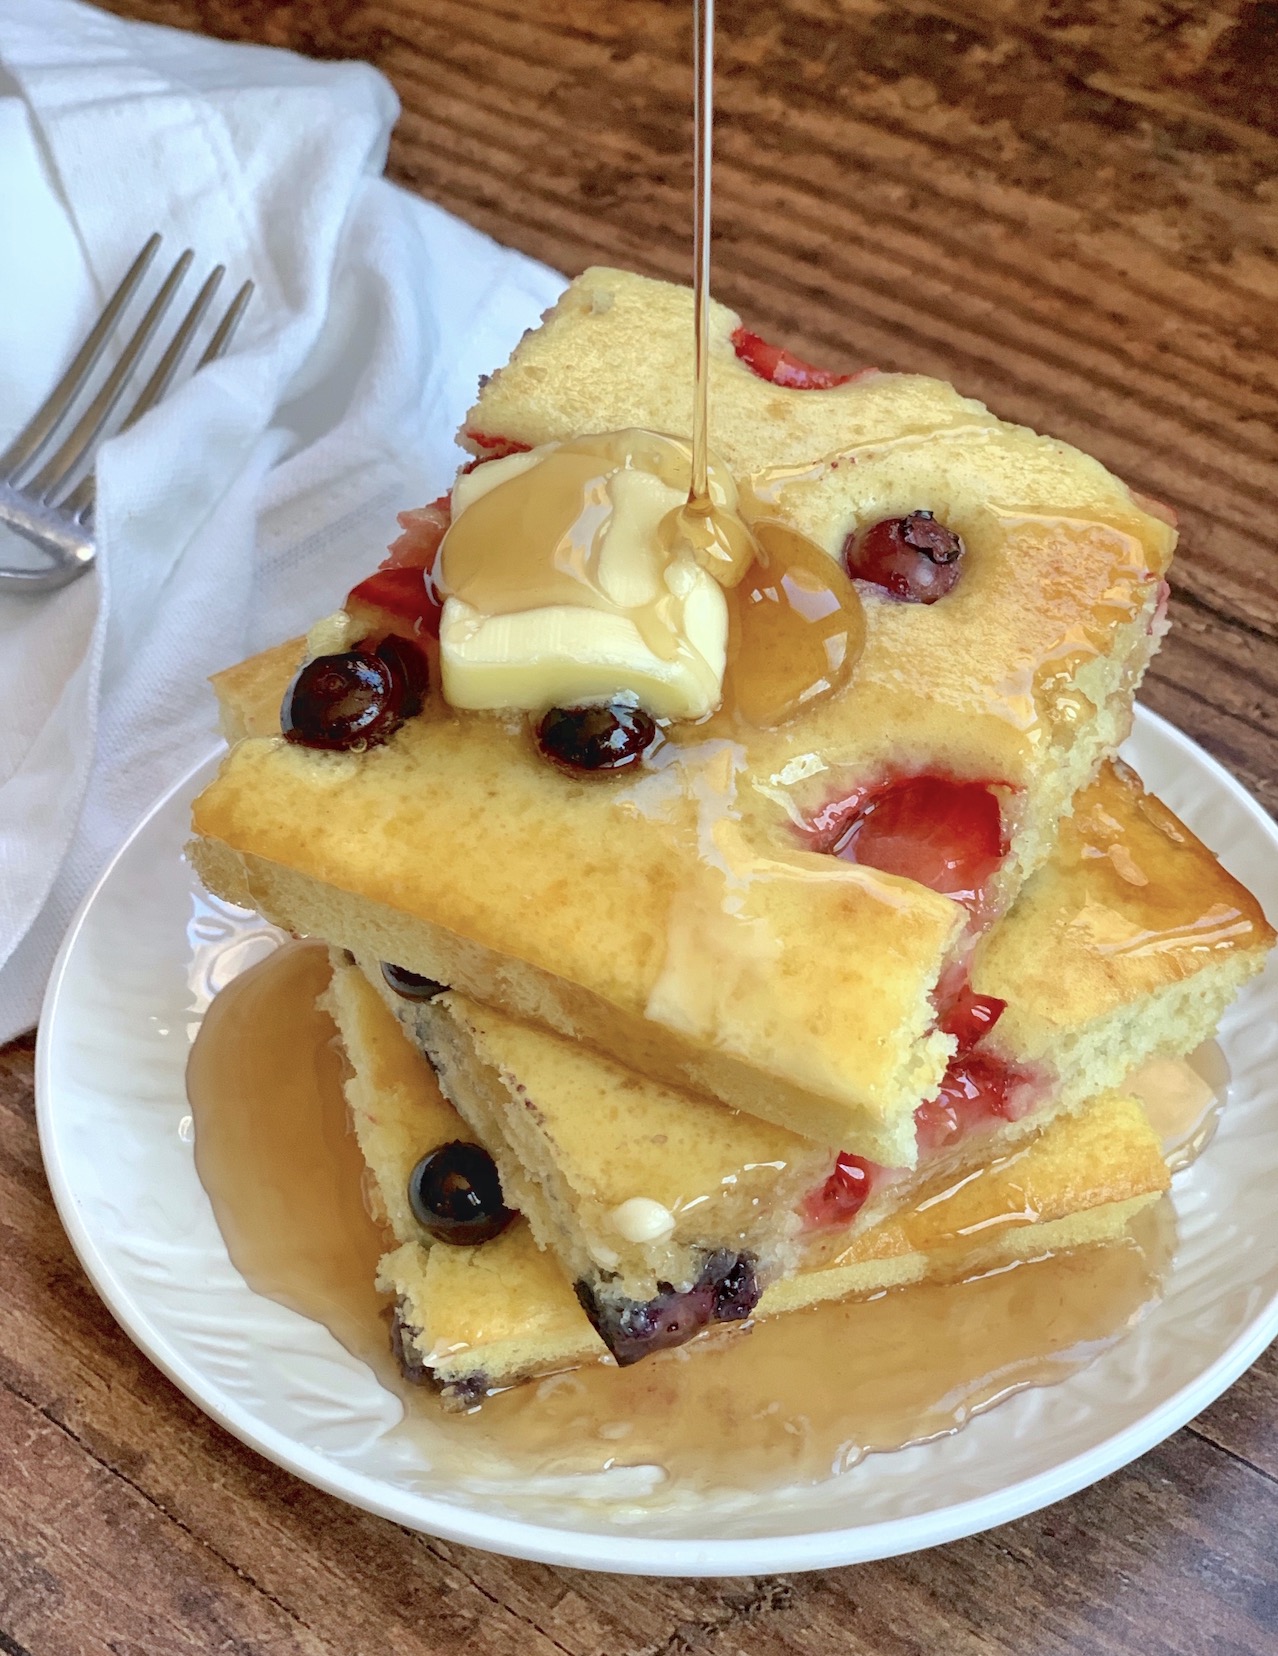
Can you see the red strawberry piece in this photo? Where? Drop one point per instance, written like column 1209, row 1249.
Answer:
column 782, row 367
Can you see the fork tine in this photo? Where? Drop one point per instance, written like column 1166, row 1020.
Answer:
column 225, row 330
column 37, row 431
column 82, row 495
column 78, row 505
column 55, row 472
column 158, row 383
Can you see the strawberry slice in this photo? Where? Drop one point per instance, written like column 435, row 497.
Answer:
column 969, row 1018
column 975, row 1090
column 495, row 448
column 946, row 834
column 423, row 528
column 405, row 595
column 843, row 1194
column 782, row 367
column 402, row 592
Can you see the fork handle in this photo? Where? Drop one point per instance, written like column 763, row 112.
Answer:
column 70, row 549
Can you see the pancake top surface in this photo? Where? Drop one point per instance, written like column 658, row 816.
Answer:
column 1130, row 902
column 1058, row 549
column 686, row 895
column 606, row 886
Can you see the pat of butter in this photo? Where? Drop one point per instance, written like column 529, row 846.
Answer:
column 562, row 656
column 564, row 591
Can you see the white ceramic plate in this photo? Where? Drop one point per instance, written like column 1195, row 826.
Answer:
column 135, row 973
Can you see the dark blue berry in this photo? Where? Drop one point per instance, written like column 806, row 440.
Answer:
column 455, row 1195
column 596, row 738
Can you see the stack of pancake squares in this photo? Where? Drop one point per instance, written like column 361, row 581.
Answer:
column 728, row 1056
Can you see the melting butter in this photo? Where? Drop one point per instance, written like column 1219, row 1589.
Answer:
column 579, row 573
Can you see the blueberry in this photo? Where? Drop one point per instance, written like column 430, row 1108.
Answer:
column 915, row 558
column 342, row 701
column 411, row 985
column 455, row 1195
column 596, row 738
column 726, row 1290
column 409, row 667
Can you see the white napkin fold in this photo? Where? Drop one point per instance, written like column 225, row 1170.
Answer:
column 245, row 505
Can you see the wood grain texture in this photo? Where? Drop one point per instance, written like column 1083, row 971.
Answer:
column 1069, row 208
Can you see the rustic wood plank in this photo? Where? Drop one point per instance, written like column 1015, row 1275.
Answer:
column 72, row 1534
column 65, row 1363
column 1154, row 1559
column 1218, row 680
column 1244, row 1422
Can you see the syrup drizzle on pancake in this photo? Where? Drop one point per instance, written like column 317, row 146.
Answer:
column 796, row 1398
column 797, row 626
column 536, row 541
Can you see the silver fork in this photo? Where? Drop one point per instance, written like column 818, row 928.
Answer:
column 38, row 504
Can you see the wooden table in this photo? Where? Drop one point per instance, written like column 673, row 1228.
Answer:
column 1069, row 209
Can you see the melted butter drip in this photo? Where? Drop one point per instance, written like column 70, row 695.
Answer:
column 1137, row 885
column 796, row 630
column 795, row 1399
column 534, row 540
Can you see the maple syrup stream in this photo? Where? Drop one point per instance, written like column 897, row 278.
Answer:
column 793, row 1399
column 703, row 163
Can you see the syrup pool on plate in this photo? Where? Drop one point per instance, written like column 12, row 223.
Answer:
column 796, row 1398
column 1183, row 1098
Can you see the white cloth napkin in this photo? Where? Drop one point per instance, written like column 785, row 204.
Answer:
column 245, row 505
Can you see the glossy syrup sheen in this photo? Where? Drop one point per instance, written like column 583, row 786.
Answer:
column 1106, row 567
column 1138, row 883
column 796, row 629
column 273, row 1148
column 800, row 1397
column 795, row 1398
column 1183, row 1098
column 796, row 623
column 535, row 540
